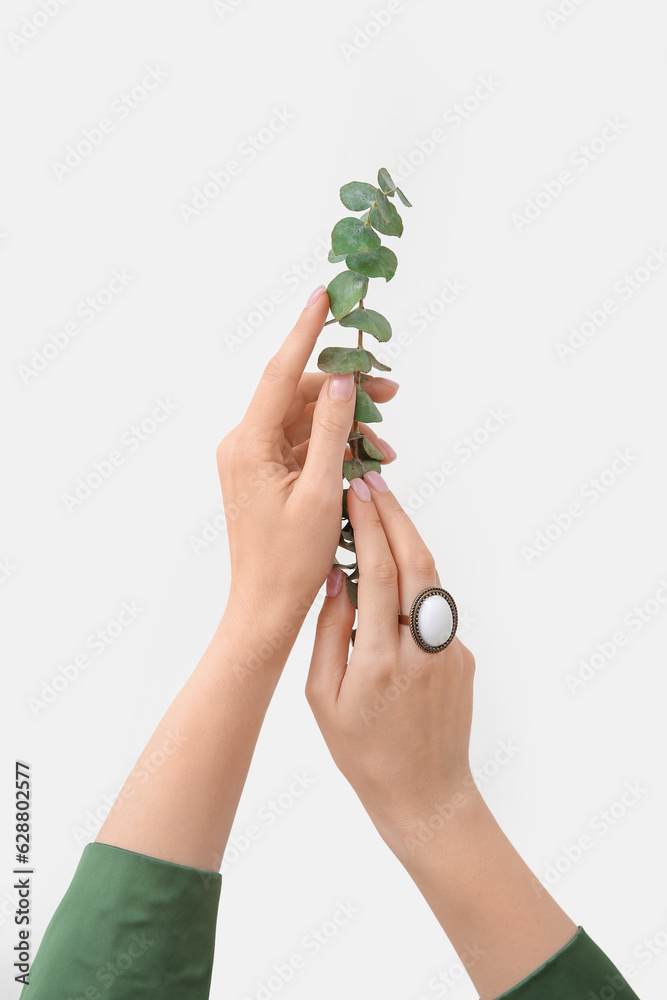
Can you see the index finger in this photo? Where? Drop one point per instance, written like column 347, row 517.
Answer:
column 280, row 379
column 416, row 565
column 377, row 597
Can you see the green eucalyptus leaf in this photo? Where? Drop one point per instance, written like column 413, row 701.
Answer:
column 392, row 228
column 345, row 512
column 351, row 235
column 351, row 591
column 377, row 364
column 365, row 409
column 353, row 635
column 403, row 198
column 352, row 470
column 370, row 451
column 359, row 467
column 337, row 360
column 384, row 205
column 336, row 258
column 357, row 196
column 385, row 181
column 369, row 321
column 345, row 290
column 380, row 263
column 344, row 359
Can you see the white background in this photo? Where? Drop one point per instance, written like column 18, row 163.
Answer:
column 360, row 98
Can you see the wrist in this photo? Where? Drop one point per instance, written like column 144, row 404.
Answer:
column 418, row 830
column 259, row 636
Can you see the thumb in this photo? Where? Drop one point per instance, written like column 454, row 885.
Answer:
column 332, row 422
column 332, row 643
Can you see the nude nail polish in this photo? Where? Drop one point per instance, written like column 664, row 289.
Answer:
column 315, row 294
column 360, row 488
column 341, row 386
column 334, row 582
column 387, row 450
column 376, row 481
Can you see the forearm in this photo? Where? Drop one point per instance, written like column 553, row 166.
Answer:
column 180, row 799
column 497, row 915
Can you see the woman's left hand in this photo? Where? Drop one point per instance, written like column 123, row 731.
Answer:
column 281, row 476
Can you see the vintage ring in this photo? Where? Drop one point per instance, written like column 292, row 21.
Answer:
column 433, row 619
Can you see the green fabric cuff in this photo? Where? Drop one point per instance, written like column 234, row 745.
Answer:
column 579, row 971
column 129, row 925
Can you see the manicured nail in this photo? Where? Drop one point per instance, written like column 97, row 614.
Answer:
column 341, row 386
column 360, row 488
column 387, row 450
column 334, row 582
column 387, row 381
column 314, row 295
column 376, row 481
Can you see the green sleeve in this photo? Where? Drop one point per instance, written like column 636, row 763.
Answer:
column 578, row 971
column 129, row 925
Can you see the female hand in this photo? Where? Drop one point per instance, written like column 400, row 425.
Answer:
column 281, row 476
column 397, row 721
column 395, row 718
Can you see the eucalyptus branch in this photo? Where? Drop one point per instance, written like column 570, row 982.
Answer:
column 357, row 242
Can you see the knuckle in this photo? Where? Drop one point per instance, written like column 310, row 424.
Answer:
column 464, row 656
column 423, row 564
column 221, row 450
column 274, row 369
column 224, row 448
column 383, row 668
column 367, row 517
column 401, row 514
column 232, row 446
column 311, row 693
column 384, row 573
column 315, row 696
column 468, row 659
column 273, row 366
column 327, row 624
column 328, row 424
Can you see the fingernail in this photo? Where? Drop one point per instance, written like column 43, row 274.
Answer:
column 376, row 481
column 314, row 295
column 341, row 386
column 387, row 381
column 334, row 582
column 387, row 450
column 360, row 488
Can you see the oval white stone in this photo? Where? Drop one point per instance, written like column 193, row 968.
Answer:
column 435, row 620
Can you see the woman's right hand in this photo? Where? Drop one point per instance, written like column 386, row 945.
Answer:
column 395, row 718
column 397, row 721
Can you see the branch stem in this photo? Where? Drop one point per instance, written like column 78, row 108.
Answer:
column 357, row 379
